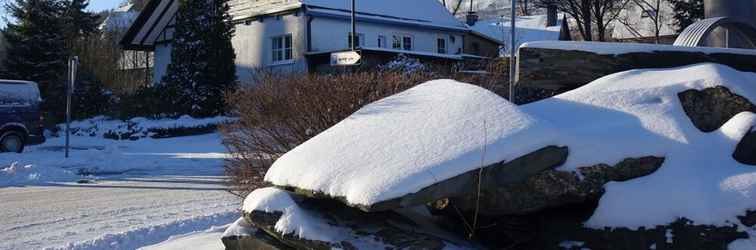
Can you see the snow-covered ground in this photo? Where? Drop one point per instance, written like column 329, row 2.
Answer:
column 143, row 193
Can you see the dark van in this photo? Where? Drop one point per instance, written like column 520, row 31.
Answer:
column 20, row 119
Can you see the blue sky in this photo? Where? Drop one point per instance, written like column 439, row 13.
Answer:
column 98, row 5
column 94, row 5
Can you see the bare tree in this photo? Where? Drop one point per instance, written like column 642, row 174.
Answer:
column 589, row 13
column 525, row 7
column 454, row 6
column 580, row 10
column 606, row 12
column 651, row 9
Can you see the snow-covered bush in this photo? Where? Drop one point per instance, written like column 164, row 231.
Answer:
column 140, row 127
column 406, row 64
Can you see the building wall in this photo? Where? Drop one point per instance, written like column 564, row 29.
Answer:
column 330, row 34
column 253, row 43
column 643, row 26
column 162, row 59
column 485, row 47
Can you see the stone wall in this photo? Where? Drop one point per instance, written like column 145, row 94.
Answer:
column 564, row 70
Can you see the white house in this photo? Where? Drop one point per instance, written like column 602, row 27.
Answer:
column 640, row 20
column 546, row 27
column 299, row 35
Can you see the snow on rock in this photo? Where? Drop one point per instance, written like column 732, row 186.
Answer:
column 239, row 228
column 606, row 48
column 438, row 130
column 406, row 142
column 295, row 220
column 638, row 113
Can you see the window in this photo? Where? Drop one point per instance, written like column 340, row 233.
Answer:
column 282, row 49
column 441, row 44
column 381, row 41
column 396, row 42
column 360, row 40
column 475, row 48
column 407, row 42
column 402, row 42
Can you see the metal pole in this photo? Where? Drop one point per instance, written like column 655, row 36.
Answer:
column 512, row 49
column 71, row 83
column 354, row 26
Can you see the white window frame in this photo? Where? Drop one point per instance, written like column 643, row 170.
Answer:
column 411, row 43
column 445, row 47
column 279, row 55
column 382, row 42
column 402, row 45
column 360, row 39
column 394, row 43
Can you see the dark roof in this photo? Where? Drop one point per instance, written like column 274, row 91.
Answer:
column 127, row 40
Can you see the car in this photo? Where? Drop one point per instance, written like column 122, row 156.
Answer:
column 21, row 122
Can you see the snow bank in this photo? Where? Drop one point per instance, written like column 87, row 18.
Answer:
column 98, row 156
column 406, row 142
column 605, row 48
column 17, row 174
column 638, row 113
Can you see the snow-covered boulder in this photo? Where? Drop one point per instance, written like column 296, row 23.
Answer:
column 318, row 224
column 744, row 153
column 408, row 142
column 662, row 150
column 711, row 108
column 242, row 235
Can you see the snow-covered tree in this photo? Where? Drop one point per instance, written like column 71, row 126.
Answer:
column 202, row 58
column 687, row 12
column 36, row 49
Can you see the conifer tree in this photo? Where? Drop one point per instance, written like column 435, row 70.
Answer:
column 202, row 57
column 36, row 50
column 687, row 12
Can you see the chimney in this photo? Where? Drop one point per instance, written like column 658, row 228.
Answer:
column 551, row 15
column 472, row 18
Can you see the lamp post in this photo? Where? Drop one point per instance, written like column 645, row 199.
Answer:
column 72, row 65
column 512, row 48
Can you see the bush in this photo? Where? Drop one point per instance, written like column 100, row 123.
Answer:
column 153, row 102
column 281, row 112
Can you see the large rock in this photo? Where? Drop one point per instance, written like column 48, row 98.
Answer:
column 555, row 188
column 562, row 228
column 494, row 177
column 357, row 228
column 257, row 241
column 713, row 107
column 746, row 151
column 749, row 219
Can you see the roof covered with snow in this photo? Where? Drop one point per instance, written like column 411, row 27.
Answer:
column 406, row 142
column 424, row 13
column 119, row 20
column 529, row 29
column 606, row 48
